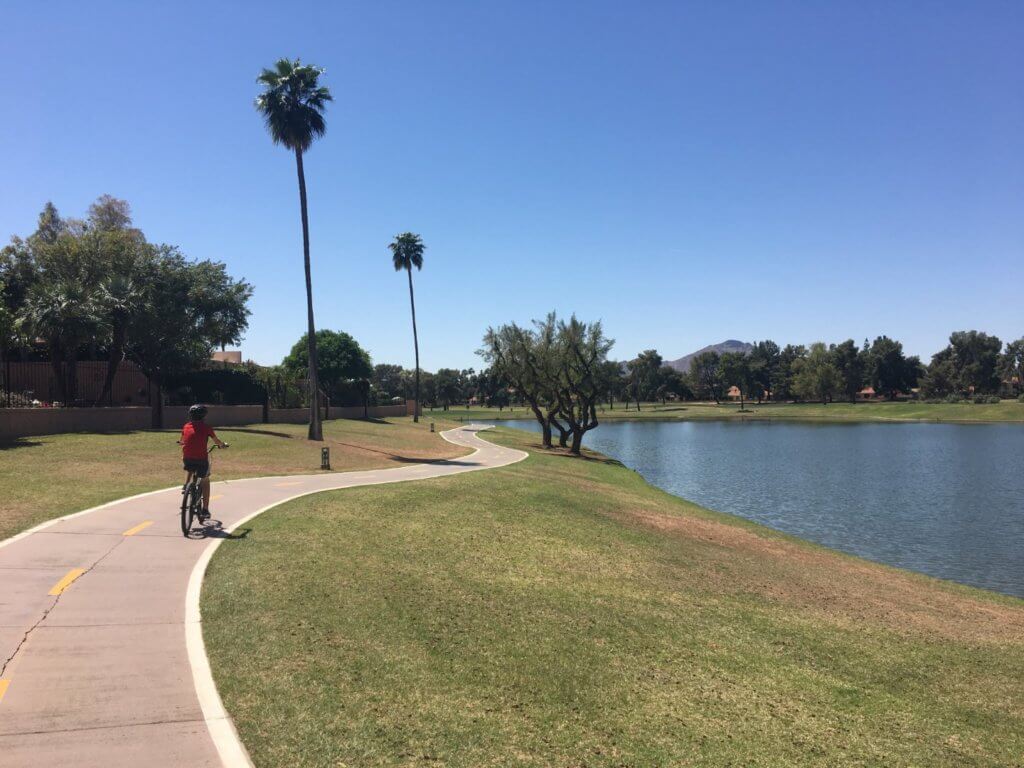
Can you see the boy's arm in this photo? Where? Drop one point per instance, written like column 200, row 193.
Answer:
column 216, row 440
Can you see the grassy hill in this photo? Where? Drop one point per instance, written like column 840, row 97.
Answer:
column 563, row 612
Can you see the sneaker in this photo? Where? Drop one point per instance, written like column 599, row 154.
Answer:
column 204, row 515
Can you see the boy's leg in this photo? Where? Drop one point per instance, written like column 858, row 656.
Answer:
column 206, row 493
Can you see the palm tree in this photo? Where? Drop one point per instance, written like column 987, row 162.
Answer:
column 119, row 301
column 292, row 105
column 64, row 314
column 407, row 252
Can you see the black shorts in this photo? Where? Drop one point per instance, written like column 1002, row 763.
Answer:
column 200, row 466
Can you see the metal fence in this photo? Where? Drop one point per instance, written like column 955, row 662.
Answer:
column 23, row 384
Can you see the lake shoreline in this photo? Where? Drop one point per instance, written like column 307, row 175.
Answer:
column 899, row 499
column 1005, row 412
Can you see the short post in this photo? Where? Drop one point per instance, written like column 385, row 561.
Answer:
column 431, row 426
column 325, row 458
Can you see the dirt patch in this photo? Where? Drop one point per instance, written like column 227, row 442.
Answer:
column 842, row 589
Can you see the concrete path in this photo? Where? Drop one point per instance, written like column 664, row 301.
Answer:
column 101, row 648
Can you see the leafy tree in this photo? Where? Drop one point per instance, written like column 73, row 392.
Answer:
column 61, row 309
column 124, row 258
column 109, row 214
column 613, row 382
column 582, row 349
column 558, row 368
column 448, row 382
column 889, row 370
column 182, row 314
column 1012, row 364
column 522, row 357
column 671, row 382
column 940, row 379
column 644, row 372
column 406, row 253
column 975, row 357
column 340, row 363
column 389, row 380
column 292, row 105
column 851, row 364
column 765, row 359
column 816, row 376
column 706, row 373
column 736, row 370
column 784, row 373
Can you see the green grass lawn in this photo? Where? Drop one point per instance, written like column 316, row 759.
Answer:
column 1007, row 410
column 53, row 475
column 562, row 612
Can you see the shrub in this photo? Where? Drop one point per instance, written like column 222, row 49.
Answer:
column 1020, row 397
column 986, row 399
column 954, row 398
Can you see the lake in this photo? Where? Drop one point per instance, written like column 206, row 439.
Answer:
column 942, row 499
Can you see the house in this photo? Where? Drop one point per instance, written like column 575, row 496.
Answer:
column 230, row 356
column 867, row 393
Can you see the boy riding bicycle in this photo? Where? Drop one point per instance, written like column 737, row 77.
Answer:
column 194, row 453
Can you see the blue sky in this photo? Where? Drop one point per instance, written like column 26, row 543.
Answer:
column 687, row 172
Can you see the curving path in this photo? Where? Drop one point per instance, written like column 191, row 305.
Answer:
column 101, row 648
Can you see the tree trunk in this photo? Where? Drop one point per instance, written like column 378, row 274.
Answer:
column 156, row 392
column 545, row 427
column 577, row 442
column 416, row 348
column 315, row 427
column 56, row 360
column 116, row 356
column 72, row 379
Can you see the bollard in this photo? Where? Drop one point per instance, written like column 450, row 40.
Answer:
column 431, row 426
column 325, row 458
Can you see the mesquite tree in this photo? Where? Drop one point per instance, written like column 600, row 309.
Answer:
column 558, row 368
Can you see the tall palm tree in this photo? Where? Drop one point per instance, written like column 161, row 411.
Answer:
column 292, row 105
column 407, row 252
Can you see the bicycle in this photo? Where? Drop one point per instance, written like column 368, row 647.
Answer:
column 192, row 494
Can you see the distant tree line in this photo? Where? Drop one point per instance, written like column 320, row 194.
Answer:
column 974, row 365
column 96, row 289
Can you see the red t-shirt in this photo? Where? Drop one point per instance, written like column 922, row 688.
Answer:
column 193, row 440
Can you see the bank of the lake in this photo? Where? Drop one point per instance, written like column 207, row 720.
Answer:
column 942, row 499
column 1010, row 411
column 563, row 611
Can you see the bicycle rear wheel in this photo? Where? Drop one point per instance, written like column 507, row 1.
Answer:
column 188, row 505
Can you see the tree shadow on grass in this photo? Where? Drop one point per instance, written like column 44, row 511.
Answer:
column 561, row 453
column 18, row 442
column 435, row 462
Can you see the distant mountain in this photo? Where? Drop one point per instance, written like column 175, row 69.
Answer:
column 683, row 363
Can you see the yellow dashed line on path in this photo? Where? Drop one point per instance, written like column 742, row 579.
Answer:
column 64, row 583
column 3, row 688
column 217, row 496
column 285, row 485
column 137, row 528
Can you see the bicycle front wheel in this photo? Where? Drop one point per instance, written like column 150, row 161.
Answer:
column 187, row 507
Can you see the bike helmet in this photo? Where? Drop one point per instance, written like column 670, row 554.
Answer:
column 197, row 411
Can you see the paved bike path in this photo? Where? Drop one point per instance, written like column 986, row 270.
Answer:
column 103, row 662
